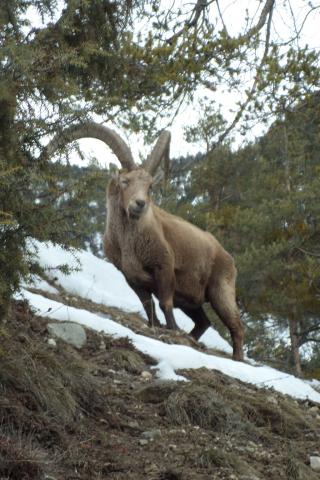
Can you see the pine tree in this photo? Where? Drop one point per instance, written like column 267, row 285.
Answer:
column 49, row 77
column 261, row 203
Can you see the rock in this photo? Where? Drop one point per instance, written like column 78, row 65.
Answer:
column 146, row 375
column 314, row 410
column 172, row 446
column 272, row 399
column 143, row 442
column 52, row 343
column 134, row 424
column 72, row 333
column 151, row 435
column 157, row 391
column 315, row 463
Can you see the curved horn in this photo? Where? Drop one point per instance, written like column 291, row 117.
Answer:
column 159, row 151
column 91, row 130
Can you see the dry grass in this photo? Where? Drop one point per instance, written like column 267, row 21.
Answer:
column 45, row 395
column 80, row 414
column 19, row 460
column 202, row 406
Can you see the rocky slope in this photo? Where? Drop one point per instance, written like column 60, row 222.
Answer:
column 97, row 411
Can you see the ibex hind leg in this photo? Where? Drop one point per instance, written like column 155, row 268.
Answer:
column 200, row 319
column 223, row 300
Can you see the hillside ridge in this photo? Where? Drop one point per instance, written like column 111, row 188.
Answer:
column 100, row 412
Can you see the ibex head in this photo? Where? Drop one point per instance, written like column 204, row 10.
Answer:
column 134, row 188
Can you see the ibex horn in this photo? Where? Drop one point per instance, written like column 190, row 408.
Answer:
column 160, row 151
column 91, row 130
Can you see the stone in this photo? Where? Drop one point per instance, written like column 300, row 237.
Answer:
column 134, row 424
column 52, row 343
column 272, row 399
column 315, row 463
column 146, row 375
column 72, row 333
column 314, row 410
column 151, row 435
column 143, row 442
column 157, row 391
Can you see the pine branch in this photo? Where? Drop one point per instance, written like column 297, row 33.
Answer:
column 252, row 91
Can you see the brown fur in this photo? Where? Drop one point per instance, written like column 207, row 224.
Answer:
column 164, row 255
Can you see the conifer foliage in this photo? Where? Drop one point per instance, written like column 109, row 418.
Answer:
column 262, row 203
column 50, row 76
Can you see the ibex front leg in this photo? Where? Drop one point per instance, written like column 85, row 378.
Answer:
column 165, row 282
column 148, row 304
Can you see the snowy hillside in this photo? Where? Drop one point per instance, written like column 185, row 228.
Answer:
column 100, row 282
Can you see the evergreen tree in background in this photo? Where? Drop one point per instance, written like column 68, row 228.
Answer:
column 262, row 203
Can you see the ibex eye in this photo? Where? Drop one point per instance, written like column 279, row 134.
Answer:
column 124, row 182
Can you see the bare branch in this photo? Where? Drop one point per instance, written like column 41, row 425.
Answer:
column 221, row 18
column 311, row 254
column 301, row 26
column 198, row 9
column 266, row 11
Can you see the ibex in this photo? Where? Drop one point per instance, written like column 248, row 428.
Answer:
column 160, row 253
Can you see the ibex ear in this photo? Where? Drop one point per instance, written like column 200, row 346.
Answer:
column 114, row 172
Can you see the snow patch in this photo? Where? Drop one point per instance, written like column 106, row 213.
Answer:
column 100, row 282
column 174, row 357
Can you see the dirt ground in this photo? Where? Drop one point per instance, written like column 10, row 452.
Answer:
column 100, row 413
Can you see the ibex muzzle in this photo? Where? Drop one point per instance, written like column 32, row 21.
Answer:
column 135, row 188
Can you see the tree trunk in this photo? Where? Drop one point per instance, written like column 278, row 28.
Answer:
column 286, row 156
column 293, row 327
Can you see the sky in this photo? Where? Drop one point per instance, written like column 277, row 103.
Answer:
column 234, row 13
